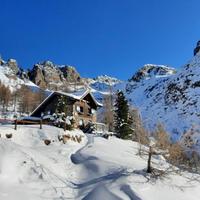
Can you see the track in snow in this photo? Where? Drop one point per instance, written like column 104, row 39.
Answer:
column 95, row 185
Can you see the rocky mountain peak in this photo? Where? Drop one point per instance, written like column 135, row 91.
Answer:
column 46, row 74
column 152, row 70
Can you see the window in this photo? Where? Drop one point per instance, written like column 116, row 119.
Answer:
column 81, row 109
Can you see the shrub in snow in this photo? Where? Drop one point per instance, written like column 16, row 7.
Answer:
column 73, row 138
column 78, row 139
column 47, row 142
column 9, row 135
column 65, row 138
column 162, row 137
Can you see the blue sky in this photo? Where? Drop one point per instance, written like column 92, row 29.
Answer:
column 113, row 37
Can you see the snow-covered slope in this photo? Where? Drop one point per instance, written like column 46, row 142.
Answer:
column 172, row 100
column 12, row 76
column 104, row 84
column 152, row 70
column 30, row 170
column 112, row 170
column 95, row 169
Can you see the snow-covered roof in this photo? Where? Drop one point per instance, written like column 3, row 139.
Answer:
column 79, row 95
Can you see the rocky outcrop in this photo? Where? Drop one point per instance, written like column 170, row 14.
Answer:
column 36, row 76
column 70, row 74
column 54, row 77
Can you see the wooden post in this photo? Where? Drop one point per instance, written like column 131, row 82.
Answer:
column 15, row 124
column 65, row 126
column 149, row 169
column 41, row 123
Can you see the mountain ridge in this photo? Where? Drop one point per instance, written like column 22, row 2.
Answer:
column 161, row 93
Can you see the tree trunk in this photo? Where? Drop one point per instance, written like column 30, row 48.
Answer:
column 149, row 169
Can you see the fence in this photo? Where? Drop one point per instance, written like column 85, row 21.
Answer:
column 24, row 122
column 99, row 127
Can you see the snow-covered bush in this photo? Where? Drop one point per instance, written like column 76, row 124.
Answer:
column 61, row 120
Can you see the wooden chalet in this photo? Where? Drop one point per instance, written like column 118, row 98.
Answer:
column 82, row 106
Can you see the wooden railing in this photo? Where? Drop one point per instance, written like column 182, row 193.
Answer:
column 25, row 122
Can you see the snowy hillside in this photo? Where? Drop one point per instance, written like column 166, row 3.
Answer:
column 12, row 76
column 172, row 100
column 104, row 85
column 152, row 70
column 95, row 169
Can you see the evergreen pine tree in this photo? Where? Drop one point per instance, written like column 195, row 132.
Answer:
column 62, row 105
column 123, row 120
column 61, row 114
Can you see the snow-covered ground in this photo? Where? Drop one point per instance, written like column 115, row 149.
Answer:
column 31, row 170
column 95, row 169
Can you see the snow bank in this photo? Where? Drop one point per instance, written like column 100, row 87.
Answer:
column 31, row 170
column 95, row 169
column 112, row 169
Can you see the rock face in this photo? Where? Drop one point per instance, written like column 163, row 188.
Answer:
column 196, row 50
column 54, row 77
column 46, row 75
column 70, row 74
column 36, row 76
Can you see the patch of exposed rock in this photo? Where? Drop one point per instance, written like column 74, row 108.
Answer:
column 54, row 77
